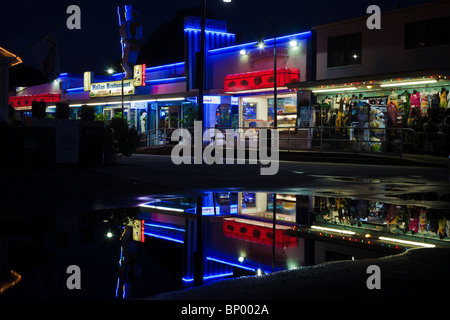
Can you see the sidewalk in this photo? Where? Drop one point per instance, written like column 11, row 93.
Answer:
column 339, row 157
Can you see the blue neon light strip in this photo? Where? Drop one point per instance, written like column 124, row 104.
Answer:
column 238, row 47
column 165, row 80
column 75, row 89
column 163, row 227
column 163, row 237
column 210, row 31
column 211, row 277
column 149, row 69
column 230, row 263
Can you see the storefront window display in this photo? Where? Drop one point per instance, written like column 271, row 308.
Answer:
column 408, row 220
column 412, row 118
column 260, row 205
column 259, row 111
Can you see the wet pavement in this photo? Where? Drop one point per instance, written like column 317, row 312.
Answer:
column 59, row 217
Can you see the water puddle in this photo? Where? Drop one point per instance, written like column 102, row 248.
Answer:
column 152, row 247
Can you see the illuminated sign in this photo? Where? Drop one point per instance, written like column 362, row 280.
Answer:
column 111, row 88
column 139, row 75
column 211, row 99
column 88, row 76
column 138, row 230
column 260, row 79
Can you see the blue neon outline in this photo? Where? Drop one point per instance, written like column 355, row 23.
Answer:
column 163, row 227
column 147, row 69
column 162, row 237
column 209, row 31
column 302, row 35
column 75, row 89
column 231, row 264
column 165, row 80
column 227, row 274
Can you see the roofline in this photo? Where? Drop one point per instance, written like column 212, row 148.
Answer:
column 15, row 59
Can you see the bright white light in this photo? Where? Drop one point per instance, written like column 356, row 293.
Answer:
column 258, row 272
column 109, row 234
column 333, row 230
column 110, row 71
column 355, row 56
column 160, row 208
column 243, row 52
column 337, row 89
column 241, row 259
column 394, row 84
column 261, row 45
column 226, row 0
column 293, row 43
column 414, row 243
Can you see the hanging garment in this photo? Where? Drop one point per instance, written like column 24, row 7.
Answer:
column 424, row 104
column 448, row 99
column 443, row 99
column 434, row 99
column 415, row 100
column 392, row 111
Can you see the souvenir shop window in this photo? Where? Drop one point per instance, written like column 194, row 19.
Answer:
column 427, row 33
column 344, row 50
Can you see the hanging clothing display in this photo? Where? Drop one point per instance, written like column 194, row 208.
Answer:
column 443, row 95
column 424, row 103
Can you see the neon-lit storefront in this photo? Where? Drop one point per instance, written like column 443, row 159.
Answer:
column 247, row 72
column 395, row 113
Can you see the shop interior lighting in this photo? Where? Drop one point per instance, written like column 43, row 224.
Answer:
column 243, row 52
column 407, row 83
column 333, row 230
column 335, row 89
column 414, row 243
column 293, row 43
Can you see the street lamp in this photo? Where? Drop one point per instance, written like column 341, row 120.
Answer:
column 110, row 71
column 261, row 45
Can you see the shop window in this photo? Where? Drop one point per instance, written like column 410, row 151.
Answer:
column 427, row 33
column 344, row 50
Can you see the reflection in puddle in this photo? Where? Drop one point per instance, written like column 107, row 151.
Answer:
column 152, row 248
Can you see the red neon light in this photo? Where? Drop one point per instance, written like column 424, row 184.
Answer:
column 26, row 101
column 142, row 231
column 259, row 234
column 260, row 79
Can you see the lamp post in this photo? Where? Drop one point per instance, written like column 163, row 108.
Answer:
column 261, row 44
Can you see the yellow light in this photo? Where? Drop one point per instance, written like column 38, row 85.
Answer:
column 333, row 230
column 337, row 89
column 408, row 83
column 367, row 235
column 414, row 243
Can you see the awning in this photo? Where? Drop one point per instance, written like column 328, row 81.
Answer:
column 260, row 79
column 371, row 82
column 21, row 102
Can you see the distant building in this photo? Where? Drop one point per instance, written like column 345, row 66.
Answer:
column 7, row 60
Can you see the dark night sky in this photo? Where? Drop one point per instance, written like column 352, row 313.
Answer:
column 97, row 43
